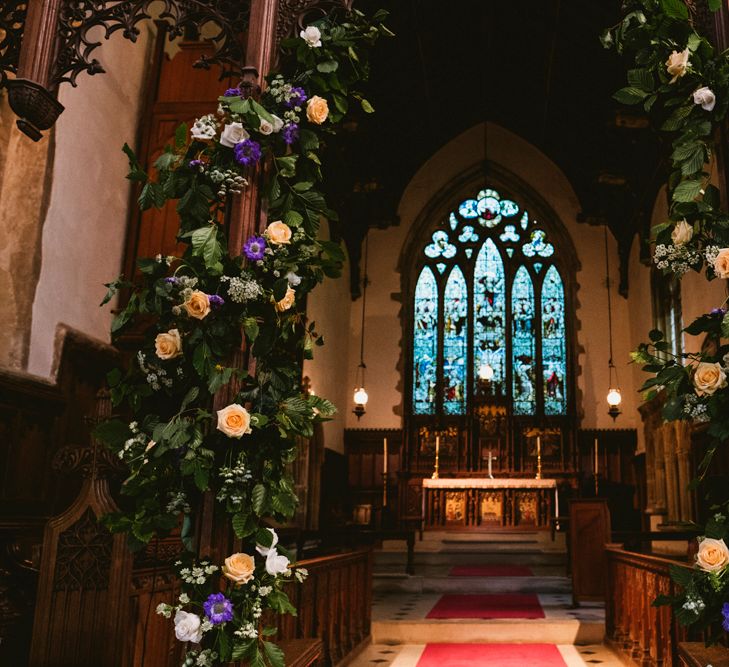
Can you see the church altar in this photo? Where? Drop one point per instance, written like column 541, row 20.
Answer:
column 489, row 504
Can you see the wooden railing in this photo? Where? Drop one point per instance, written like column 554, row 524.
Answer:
column 334, row 604
column 645, row 634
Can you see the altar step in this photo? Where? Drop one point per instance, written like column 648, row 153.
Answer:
column 429, row 583
column 391, row 560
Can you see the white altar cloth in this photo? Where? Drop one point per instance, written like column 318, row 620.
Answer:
column 486, row 483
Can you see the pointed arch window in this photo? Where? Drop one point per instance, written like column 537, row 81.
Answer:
column 489, row 305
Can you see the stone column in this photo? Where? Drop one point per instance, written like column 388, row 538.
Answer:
column 25, row 176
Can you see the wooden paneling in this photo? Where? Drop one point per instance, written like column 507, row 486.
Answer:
column 589, row 533
column 645, row 634
column 696, row 654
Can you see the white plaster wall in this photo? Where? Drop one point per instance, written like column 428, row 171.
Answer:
column 85, row 227
column 329, row 306
column 531, row 166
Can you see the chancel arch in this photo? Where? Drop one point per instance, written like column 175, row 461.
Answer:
column 489, row 331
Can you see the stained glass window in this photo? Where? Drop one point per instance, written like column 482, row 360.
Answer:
column 489, row 316
column 554, row 348
column 425, row 343
column 489, row 307
column 523, row 344
column 455, row 343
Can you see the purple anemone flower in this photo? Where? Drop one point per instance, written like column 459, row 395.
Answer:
column 194, row 164
column 725, row 614
column 218, row 609
column 247, row 152
column 297, row 97
column 232, row 92
column 254, row 248
column 215, row 301
column 172, row 280
column 290, row 133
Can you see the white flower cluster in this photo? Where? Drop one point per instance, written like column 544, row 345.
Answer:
column 228, row 181
column 177, row 502
column 677, row 258
column 247, row 631
column 301, row 573
column 167, row 259
column 204, row 658
column 134, row 446
column 232, row 481
column 695, row 409
column 694, row 604
column 711, row 253
column 199, row 573
column 242, row 289
column 156, row 375
column 282, row 92
column 204, row 128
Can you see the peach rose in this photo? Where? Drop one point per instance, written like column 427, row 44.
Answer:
column 721, row 264
column 234, row 420
column 239, row 568
column 677, row 64
column 278, row 232
column 198, row 305
column 682, row 233
column 709, row 378
column 287, row 301
column 713, row 555
column 317, row 110
column 168, row 345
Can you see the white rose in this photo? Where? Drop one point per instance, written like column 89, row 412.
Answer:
column 312, row 36
column 233, row 134
column 275, row 563
column 277, row 123
column 265, row 127
column 234, row 420
column 677, row 64
column 187, row 627
column 709, row 378
column 293, row 279
column 705, row 97
column 264, row 551
column 168, row 345
column 721, row 264
column 713, row 555
column 682, row 233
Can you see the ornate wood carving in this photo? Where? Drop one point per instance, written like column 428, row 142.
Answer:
column 294, row 14
column 12, row 21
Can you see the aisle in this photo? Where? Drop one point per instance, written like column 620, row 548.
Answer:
column 501, row 600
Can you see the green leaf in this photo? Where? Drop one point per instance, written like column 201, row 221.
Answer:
column 287, row 165
column 725, row 326
column 274, row 654
column 201, row 478
column 293, row 218
column 250, row 327
column 655, row 335
column 113, row 432
column 201, row 359
column 261, row 111
column 205, row 244
column 259, row 497
column 642, row 79
column 675, row 9
column 280, row 287
column 136, row 173
column 151, row 195
column 239, row 521
column 328, row 66
column 181, row 135
column 687, row 191
column 366, row 106
column 309, row 140
column 189, row 398
column 630, row 95
column 715, row 5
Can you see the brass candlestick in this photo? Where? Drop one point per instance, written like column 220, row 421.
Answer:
column 539, row 458
column 384, row 489
column 437, row 456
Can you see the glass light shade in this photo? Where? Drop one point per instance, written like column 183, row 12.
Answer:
column 485, row 372
column 360, row 396
column 614, row 397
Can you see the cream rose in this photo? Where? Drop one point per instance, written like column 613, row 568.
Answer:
column 705, row 97
column 239, row 568
column 677, row 64
column 312, row 36
column 317, row 110
column 709, row 378
column 198, row 305
column 721, row 264
column 266, row 127
column 713, row 555
column 234, row 420
column 233, row 134
column 187, row 627
column 682, row 233
column 278, row 232
column 168, row 345
column 287, row 301
column 276, row 563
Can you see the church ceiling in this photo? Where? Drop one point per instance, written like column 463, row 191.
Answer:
column 535, row 67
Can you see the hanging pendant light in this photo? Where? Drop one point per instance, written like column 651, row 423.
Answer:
column 614, row 397
column 361, row 396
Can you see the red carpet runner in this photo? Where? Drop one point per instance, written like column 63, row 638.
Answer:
column 490, row 571
column 513, row 605
column 497, row 655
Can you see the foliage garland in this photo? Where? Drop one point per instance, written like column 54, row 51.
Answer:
column 682, row 82
column 198, row 309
